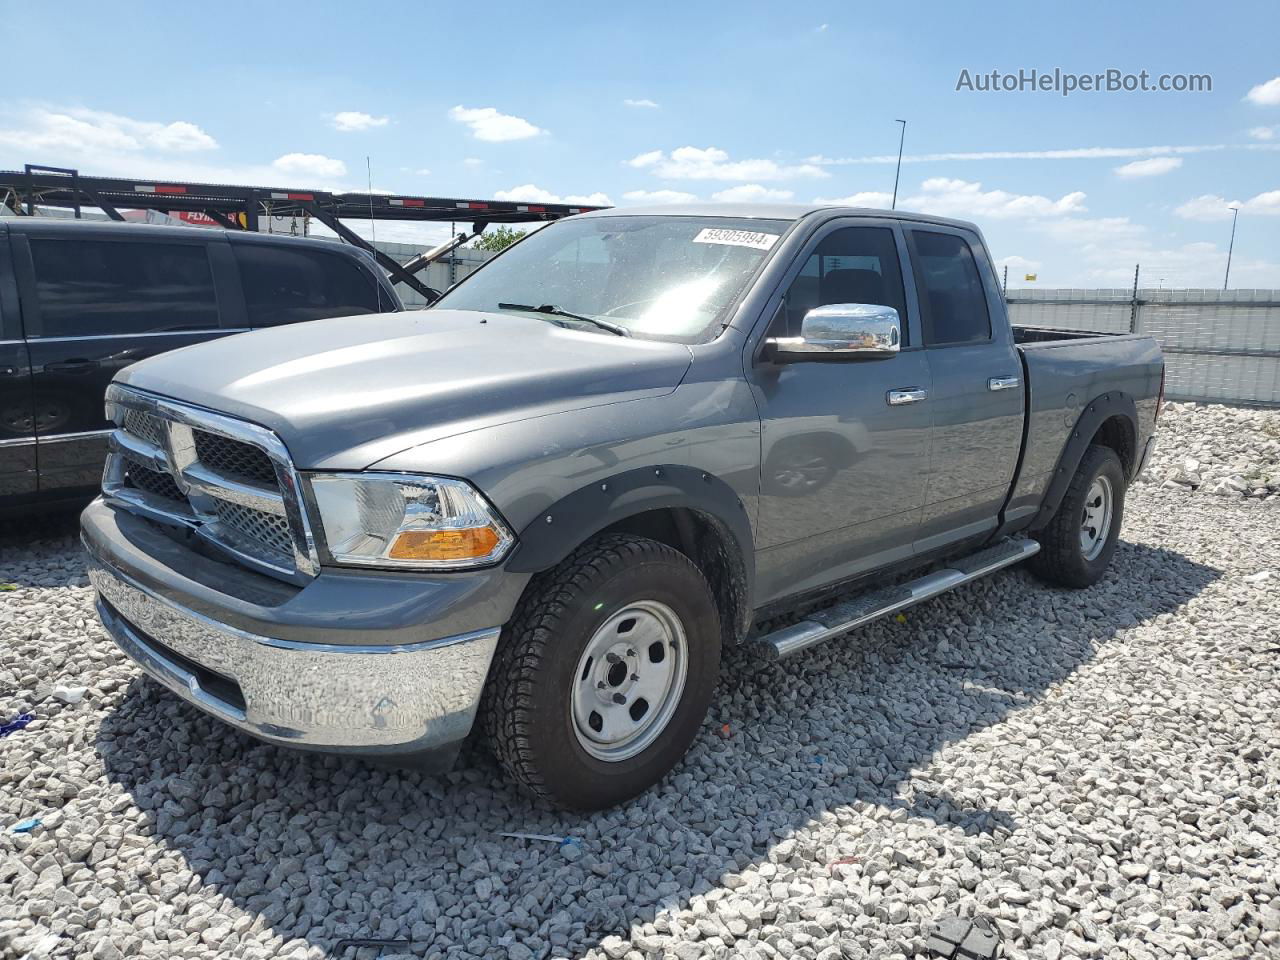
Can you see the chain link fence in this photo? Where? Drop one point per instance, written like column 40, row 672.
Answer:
column 1219, row 345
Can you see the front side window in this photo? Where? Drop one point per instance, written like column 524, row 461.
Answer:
column 88, row 288
column 667, row 278
column 953, row 301
column 850, row 265
column 289, row 286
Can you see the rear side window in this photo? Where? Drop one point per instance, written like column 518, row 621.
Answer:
column 953, row 301
column 850, row 265
column 88, row 288
column 289, row 286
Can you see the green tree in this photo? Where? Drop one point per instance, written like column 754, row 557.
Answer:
column 497, row 238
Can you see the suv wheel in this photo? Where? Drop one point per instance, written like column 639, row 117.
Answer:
column 1076, row 546
column 604, row 675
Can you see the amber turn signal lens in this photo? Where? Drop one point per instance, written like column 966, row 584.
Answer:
column 444, row 544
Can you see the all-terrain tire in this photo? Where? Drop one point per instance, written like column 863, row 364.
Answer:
column 528, row 708
column 1064, row 559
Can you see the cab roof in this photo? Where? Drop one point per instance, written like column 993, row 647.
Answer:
column 772, row 211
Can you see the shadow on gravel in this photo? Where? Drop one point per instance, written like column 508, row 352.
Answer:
column 322, row 849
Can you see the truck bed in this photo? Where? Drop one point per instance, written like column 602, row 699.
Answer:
column 1064, row 371
column 1037, row 335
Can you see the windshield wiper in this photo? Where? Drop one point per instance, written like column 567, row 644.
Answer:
column 554, row 311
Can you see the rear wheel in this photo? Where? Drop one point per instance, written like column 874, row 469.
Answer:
column 1077, row 545
column 604, row 674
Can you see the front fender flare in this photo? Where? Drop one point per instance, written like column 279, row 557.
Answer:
column 573, row 519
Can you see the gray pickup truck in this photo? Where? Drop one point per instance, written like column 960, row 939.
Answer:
column 543, row 507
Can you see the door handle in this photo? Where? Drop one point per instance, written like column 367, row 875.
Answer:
column 1003, row 383
column 897, row 398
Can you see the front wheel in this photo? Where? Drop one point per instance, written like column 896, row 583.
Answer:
column 604, row 674
column 1077, row 544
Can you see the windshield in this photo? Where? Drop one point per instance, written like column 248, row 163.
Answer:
column 665, row 278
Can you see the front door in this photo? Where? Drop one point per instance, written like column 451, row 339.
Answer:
column 842, row 478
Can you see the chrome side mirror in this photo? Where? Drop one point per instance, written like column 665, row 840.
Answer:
column 842, row 330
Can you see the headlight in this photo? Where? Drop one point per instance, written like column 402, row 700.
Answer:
column 401, row 520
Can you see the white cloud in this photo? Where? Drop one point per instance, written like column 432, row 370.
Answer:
column 180, row 136
column 822, row 28
column 309, row 165
column 1206, row 207
column 1209, row 207
column 1265, row 94
column 965, row 198
column 712, row 163
column 473, row 161
column 659, row 196
column 752, row 193
column 110, row 145
column 1263, row 133
column 486, row 123
column 1074, row 153
column 1198, row 264
column 876, row 199
column 1018, row 266
column 1266, row 203
column 531, row 193
column 349, row 121
column 645, row 103
column 1087, row 230
column 1152, row 167
column 80, row 132
column 949, row 197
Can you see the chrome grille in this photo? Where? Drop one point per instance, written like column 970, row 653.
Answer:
column 234, row 458
column 230, row 481
column 254, row 530
column 143, row 477
column 144, row 426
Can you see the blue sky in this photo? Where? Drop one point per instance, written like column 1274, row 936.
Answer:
column 623, row 104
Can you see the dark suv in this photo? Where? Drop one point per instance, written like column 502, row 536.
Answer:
column 79, row 301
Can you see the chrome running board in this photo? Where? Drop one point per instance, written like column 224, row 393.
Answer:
column 843, row 617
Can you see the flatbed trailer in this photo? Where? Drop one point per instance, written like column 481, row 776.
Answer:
column 238, row 207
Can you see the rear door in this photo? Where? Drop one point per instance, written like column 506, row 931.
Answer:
column 96, row 299
column 287, row 282
column 17, row 421
column 977, row 394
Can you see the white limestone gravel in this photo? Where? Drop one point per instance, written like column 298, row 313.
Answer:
column 1226, row 451
column 1097, row 771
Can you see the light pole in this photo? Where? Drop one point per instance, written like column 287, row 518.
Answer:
column 902, row 136
column 1235, row 214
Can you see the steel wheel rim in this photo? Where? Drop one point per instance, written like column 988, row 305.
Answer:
column 1095, row 522
column 629, row 681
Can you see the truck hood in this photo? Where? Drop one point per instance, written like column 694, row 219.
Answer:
column 348, row 392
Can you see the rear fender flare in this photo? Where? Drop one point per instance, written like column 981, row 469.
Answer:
column 1097, row 412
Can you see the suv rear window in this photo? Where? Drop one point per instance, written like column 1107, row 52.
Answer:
column 288, row 286
column 91, row 288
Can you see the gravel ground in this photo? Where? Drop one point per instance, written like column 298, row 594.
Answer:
column 1096, row 771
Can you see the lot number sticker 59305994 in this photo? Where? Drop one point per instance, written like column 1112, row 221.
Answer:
column 737, row 238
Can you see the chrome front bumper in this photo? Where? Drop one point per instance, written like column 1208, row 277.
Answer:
column 374, row 700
